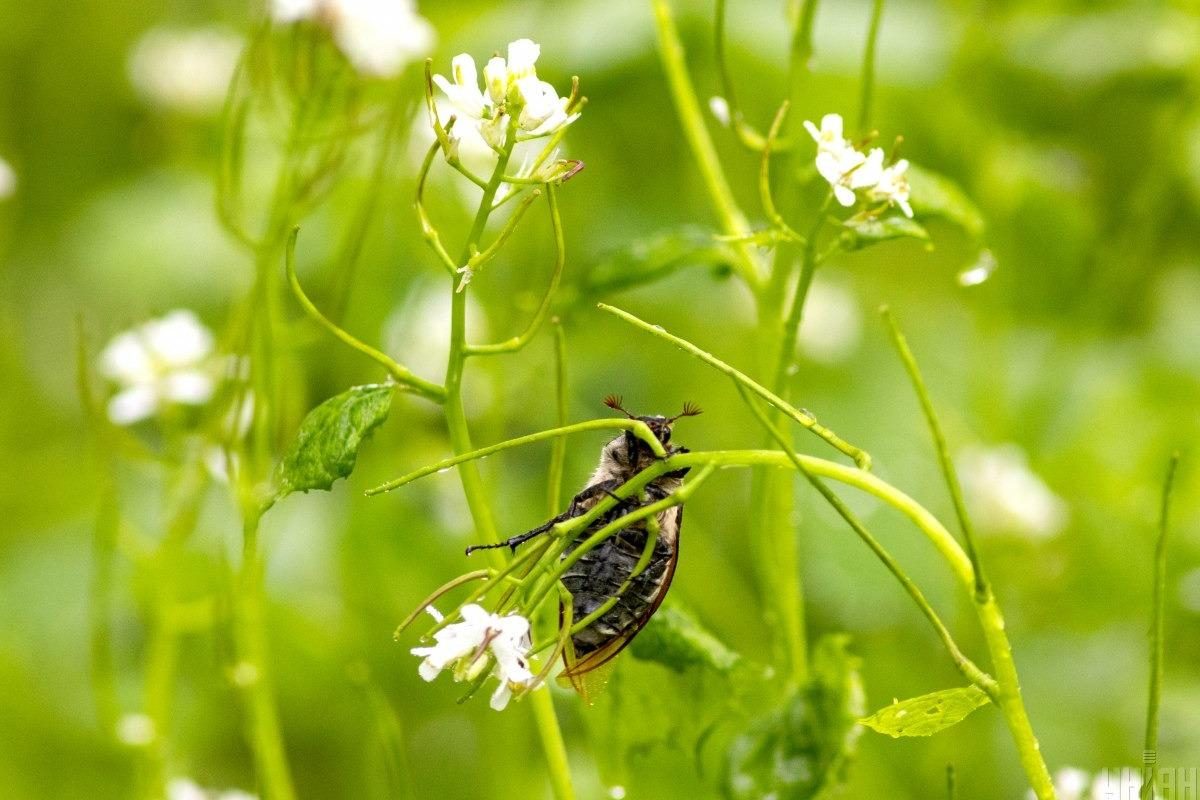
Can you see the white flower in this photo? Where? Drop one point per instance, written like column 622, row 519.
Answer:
column 510, row 83
column 163, row 361
column 184, row 789
column 188, row 70
column 1005, row 496
column 8, row 179
column 892, row 187
column 465, row 645
column 378, row 36
column 848, row 170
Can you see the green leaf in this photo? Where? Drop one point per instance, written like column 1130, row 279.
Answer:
column 860, row 233
column 927, row 714
column 801, row 751
column 932, row 194
column 675, row 639
column 326, row 446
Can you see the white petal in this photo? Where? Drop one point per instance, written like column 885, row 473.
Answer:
column 844, row 195
column 433, row 612
column 812, row 131
column 475, row 614
column 178, row 339
column 495, row 75
column 500, row 697
column 522, row 55
column 870, row 172
column 133, row 405
column 428, row 671
column 190, row 387
column 183, row 789
column 831, row 126
column 125, row 359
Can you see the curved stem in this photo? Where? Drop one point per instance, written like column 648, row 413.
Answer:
column 399, row 373
column 965, row 665
column 733, row 222
column 428, row 229
column 558, row 449
column 806, row 420
column 638, row 428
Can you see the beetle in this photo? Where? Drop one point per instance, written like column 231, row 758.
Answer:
column 605, row 575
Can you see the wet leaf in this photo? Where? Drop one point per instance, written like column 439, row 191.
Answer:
column 927, row 714
column 801, row 751
column 651, row 259
column 327, row 444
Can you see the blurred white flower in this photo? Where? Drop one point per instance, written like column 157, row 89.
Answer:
column 8, row 180
column 185, row 69
column 1005, row 496
column 719, row 107
column 1189, row 590
column 847, row 170
column 184, row 789
column 135, row 730
column 509, row 85
column 379, row 37
column 163, row 361
column 465, row 646
column 832, row 324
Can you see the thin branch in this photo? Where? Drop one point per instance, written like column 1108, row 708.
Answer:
column 943, row 453
column 401, row 374
column 806, row 420
column 636, row 427
column 535, row 324
column 867, row 80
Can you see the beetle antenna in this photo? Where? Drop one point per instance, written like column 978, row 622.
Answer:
column 690, row 409
column 613, row 401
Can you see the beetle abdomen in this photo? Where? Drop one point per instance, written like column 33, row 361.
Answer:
column 599, row 575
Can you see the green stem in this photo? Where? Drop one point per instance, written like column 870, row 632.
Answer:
column 460, row 440
column 264, row 727
column 558, row 449
column 867, row 81
column 733, row 223
column 1150, row 751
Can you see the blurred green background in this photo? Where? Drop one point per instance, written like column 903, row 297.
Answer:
column 1073, row 126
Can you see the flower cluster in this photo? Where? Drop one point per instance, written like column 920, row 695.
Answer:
column 163, row 362
column 511, row 88
column 467, row 647
column 378, row 36
column 849, row 171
